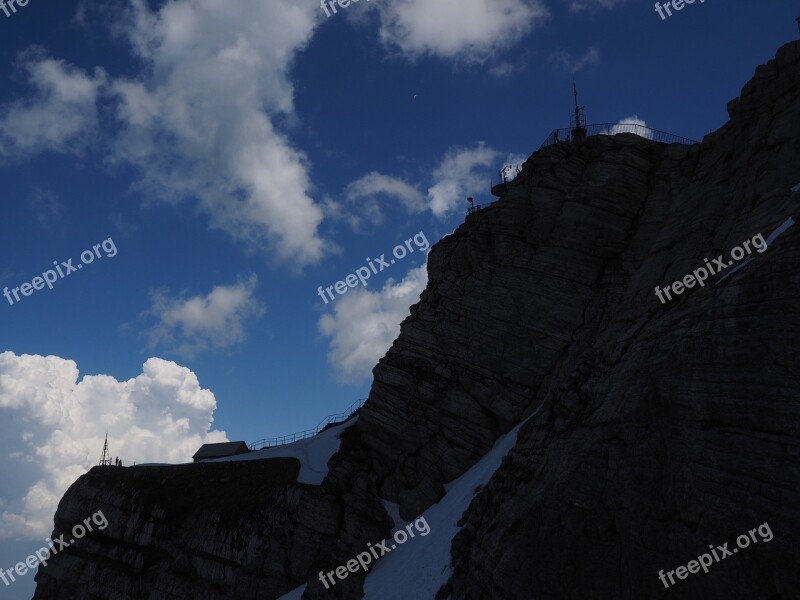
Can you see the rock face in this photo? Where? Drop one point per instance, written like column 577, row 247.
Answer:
column 659, row 429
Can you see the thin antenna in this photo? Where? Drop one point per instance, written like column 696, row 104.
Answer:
column 575, row 94
column 579, row 123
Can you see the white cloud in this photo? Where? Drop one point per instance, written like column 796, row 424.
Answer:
column 465, row 30
column 364, row 324
column 373, row 184
column 463, row 172
column 198, row 121
column 216, row 320
column 364, row 195
column 629, row 125
column 569, row 63
column 60, row 115
column 58, row 424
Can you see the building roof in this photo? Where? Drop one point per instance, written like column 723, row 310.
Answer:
column 220, row 450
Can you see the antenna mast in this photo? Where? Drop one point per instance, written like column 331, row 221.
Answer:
column 575, row 95
column 105, row 459
column 579, row 120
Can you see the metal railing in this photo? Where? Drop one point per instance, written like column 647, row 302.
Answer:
column 564, row 135
column 475, row 208
column 307, row 433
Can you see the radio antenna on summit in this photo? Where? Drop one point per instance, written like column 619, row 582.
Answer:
column 105, row 459
column 578, row 121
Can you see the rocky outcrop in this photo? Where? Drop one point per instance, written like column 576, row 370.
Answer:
column 165, row 537
column 658, row 429
column 664, row 428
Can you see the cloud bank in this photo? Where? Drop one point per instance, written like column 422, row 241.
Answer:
column 52, row 428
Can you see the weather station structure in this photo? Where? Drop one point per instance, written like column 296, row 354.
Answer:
column 579, row 130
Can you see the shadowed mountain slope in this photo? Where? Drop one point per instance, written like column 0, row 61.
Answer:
column 656, row 429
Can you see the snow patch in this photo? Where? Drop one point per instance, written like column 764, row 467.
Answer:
column 783, row 227
column 768, row 242
column 420, row 566
column 313, row 453
column 796, row 188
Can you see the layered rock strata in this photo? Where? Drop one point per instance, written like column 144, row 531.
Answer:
column 661, row 428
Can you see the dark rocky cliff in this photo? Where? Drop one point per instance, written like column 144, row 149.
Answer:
column 659, row 429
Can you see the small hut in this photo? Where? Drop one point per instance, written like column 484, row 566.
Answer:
column 220, row 450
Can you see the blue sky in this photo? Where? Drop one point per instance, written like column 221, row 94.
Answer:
column 239, row 154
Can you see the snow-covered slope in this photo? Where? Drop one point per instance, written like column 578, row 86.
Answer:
column 770, row 238
column 313, row 453
column 418, row 568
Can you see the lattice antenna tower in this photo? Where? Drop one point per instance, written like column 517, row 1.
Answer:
column 105, row 458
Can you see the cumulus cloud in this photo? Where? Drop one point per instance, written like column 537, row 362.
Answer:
column 566, row 61
column 55, row 425
column 217, row 320
column 60, row 114
column 364, row 324
column 465, row 30
column 198, row 121
column 463, row 172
